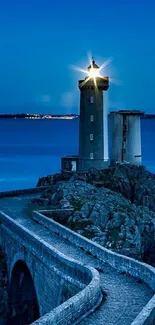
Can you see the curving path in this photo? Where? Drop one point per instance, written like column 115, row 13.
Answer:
column 125, row 295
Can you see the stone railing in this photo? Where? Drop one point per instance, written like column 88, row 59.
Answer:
column 23, row 191
column 78, row 306
column 122, row 263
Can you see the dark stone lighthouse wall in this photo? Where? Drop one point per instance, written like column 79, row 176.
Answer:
column 94, row 128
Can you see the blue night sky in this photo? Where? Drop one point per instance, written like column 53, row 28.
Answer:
column 41, row 39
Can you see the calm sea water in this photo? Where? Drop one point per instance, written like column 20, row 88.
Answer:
column 33, row 148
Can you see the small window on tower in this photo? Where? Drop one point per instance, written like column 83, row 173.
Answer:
column 91, row 155
column 91, row 99
column 91, row 118
column 91, row 137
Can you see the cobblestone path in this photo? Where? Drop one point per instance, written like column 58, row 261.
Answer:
column 125, row 295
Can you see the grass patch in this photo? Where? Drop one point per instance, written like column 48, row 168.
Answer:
column 78, row 225
column 76, row 203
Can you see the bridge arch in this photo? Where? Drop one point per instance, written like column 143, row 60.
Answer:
column 23, row 302
column 3, row 287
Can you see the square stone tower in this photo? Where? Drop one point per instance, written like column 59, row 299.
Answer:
column 91, row 125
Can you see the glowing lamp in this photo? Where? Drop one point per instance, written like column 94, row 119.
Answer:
column 93, row 70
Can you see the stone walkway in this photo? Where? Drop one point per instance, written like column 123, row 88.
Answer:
column 125, row 295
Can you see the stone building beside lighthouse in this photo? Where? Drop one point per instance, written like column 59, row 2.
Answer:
column 91, row 123
column 125, row 137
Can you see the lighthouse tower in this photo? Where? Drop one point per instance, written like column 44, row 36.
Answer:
column 91, row 126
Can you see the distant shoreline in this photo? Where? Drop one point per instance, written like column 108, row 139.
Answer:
column 148, row 116
column 39, row 116
column 54, row 117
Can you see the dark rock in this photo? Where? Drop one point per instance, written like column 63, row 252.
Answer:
column 50, row 180
column 114, row 207
column 134, row 182
column 57, row 196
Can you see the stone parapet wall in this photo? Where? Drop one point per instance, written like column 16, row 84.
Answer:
column 147, row 316
column 22, row 191
column 74, row 309
column 87, row 278
column 122, row 263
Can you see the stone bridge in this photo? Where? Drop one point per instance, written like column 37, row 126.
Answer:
column 56, row 276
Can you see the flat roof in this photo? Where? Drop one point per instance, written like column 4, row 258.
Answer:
column 70, row 157
column 128, row 112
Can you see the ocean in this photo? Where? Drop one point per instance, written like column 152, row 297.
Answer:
column 30, row 149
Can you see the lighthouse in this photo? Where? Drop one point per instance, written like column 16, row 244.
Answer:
column 91, row 124
column 125, row 129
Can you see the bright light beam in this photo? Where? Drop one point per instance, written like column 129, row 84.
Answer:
column 85, row 81
column 116, row 82
column 108, row 61
column 96, row 87
column 79, row 69
column 93, row 73
column 90, row 58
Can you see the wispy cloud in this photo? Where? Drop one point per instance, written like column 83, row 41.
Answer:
column 70, row 101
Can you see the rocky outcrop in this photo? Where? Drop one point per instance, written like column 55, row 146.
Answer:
column 116, row 218
column 133, row 182
column 50, row 180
